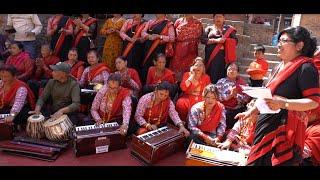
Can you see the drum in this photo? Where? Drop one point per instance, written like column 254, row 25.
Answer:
column 35, row 127
column 59, row 129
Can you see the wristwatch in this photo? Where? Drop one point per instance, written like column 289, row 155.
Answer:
column 13, row 114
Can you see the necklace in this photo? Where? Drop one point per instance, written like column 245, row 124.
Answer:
column 206, row 112
column 109, row 103
column 150, row 111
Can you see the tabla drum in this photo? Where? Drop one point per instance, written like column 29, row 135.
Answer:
column 35, row 127
column 59, row 129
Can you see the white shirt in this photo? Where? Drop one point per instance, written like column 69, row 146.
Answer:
column 23, row 23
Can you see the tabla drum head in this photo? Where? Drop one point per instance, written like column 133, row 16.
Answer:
column 36, row 118
column 53, row 121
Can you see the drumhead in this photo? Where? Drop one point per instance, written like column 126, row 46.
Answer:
column 36, row 118
column 52, row 121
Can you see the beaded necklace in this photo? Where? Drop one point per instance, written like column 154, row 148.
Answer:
column 150, row 112
column 110, row 98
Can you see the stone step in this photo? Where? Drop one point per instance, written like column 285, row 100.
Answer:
column 247, row 61
column 269, row 49
column 268, row 56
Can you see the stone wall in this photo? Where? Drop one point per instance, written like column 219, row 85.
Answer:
column 311, row 22
column 259, row 33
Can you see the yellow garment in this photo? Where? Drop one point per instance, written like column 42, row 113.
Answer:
column 113, row 45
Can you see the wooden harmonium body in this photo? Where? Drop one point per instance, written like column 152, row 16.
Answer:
column 41, row 149
column 158, row 144
column 6, row 130
column 95, row 139
column 202, row 155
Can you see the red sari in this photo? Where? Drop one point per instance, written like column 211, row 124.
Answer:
column 153, row 79
column 24, row 65
column 186, row 46
column 42, row 72
column 187, row 100
column 8, row 99
column 99, row 68
column 116, row 110
column 77, row 70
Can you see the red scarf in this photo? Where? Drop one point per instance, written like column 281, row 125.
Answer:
column 218, row 47
column 211, row 123
column 9, row 97
column 166, row 76
column 156, row 42
column 18, row 60
column 62, row 36
column 75, row 67
column 81, row 32
column 161, row 108
column 117, row 104
column 97, row 70
column 137, row 33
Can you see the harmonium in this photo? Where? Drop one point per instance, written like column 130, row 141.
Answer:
column 41, row 149
column 95, row 139
column 6, row 130
column 203, row 155
column 156, row 145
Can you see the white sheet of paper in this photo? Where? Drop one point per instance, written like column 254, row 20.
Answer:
column 264, row 108
column 258, row 92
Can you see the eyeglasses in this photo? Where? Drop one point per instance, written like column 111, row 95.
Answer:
column 282, row 41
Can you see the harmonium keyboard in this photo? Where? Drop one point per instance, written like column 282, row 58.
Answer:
column 202, row 155
column 95, row 139
column 156, row 145
column 41, row 149
column 6, row 130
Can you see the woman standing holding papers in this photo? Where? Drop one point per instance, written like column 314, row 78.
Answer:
column 279, row 137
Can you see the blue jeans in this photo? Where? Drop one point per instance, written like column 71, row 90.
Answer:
column 31, row 48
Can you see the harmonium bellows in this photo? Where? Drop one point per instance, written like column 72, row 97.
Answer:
column 203, row 155
column 95, row 139
column 6, row 130
column 156, row 145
